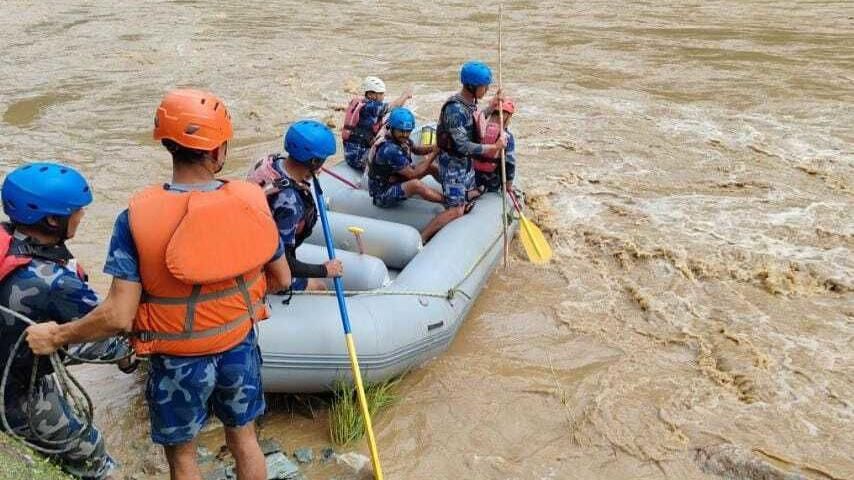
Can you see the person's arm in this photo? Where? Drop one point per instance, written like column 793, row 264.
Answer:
column 114, row 315
column 402, row 99
column 510, row 157
column 425, row 149
column 420, row 171
column 302, row 269
column 277, row 271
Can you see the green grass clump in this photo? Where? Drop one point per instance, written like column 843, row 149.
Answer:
column 21, row 463
column 345, row 416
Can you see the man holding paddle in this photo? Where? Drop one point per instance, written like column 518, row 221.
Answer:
column 458, row 138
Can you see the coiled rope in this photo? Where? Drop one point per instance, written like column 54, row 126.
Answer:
column 71, row 389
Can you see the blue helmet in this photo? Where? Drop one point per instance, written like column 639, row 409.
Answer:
column 401, row 119
column 36, row 190
column 475, row 74
column 310, row 142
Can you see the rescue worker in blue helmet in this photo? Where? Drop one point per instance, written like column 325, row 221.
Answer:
column 286, row 180
column 40, row 279
column 392, row 178
column 458, row 138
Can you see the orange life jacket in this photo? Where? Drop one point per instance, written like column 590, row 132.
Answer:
column 201, row 259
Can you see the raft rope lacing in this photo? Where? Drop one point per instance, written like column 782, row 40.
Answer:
column 79, row 400
column 448, row 295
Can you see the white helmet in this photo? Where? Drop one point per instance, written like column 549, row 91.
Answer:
column 373, row 84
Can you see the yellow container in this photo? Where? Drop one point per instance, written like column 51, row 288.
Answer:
column 428, row 135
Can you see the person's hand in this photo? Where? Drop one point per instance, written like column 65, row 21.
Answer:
column 496, row 99
column 129, row 364
column 501, row 143
column 407, row 94
column 42, row 338
column 334, row 268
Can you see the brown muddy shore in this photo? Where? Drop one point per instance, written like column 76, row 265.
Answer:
column 692, row 163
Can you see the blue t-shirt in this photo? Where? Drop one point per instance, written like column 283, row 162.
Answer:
column 122, row 257
column 394, row 157
column 372, row 112
column 288, row 211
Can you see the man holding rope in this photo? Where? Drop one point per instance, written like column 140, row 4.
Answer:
column 40, row 278
column 191, row 260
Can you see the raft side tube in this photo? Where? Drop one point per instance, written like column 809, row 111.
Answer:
column 393, row 243
column 361, row 272
column 414, row 212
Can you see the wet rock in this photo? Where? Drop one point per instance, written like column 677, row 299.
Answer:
column 354, row 460
column 223, row 453
column 281, row 468
column 327, row 454
column 270, row 446
column 220, row 473
column 304, row 455
column 204, row 455
column 153, row 465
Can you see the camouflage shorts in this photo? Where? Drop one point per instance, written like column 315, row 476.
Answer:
column 457, row 180
column 182, row 391
column 492, row 181
column 55, row 421
column 390, row 197
column 299, row 284
column 356, row 154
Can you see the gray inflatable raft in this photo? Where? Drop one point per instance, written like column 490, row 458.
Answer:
column 406, row 302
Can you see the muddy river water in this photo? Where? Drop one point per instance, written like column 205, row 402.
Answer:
column 692, row 162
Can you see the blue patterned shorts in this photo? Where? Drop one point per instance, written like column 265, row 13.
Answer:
column 298, row 284
column 182, row 391
column 457, row 180
column 356, row 154
column 392, row 196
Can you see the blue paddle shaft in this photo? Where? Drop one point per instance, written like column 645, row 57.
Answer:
column 330, row 249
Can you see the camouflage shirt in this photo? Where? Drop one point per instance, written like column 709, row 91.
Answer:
column 458, row 120
column 42, row 290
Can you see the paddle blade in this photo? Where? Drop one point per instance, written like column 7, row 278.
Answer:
column 536, row 247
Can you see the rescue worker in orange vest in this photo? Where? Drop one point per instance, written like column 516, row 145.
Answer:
column 190, row 261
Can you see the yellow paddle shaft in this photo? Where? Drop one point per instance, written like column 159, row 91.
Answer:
column 363, row 403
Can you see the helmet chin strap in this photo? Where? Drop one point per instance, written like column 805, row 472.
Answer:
column 60, row 230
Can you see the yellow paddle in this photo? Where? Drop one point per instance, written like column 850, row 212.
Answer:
column 536, row 247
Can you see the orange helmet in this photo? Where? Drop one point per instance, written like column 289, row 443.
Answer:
column 507, row 105
column 193, row 119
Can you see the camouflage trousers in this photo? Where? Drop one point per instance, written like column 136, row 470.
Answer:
column 53, row 419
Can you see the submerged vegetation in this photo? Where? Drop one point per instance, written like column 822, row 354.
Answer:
column 345, row 416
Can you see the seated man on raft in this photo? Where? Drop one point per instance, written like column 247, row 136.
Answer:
column 392, row 176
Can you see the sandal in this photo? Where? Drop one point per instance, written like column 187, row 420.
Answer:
column 475, row 193
column 469, row 206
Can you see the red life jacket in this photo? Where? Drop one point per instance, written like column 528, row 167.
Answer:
column 9, row 261
column 351, row 123
column 12, row 258
column 490, row 131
